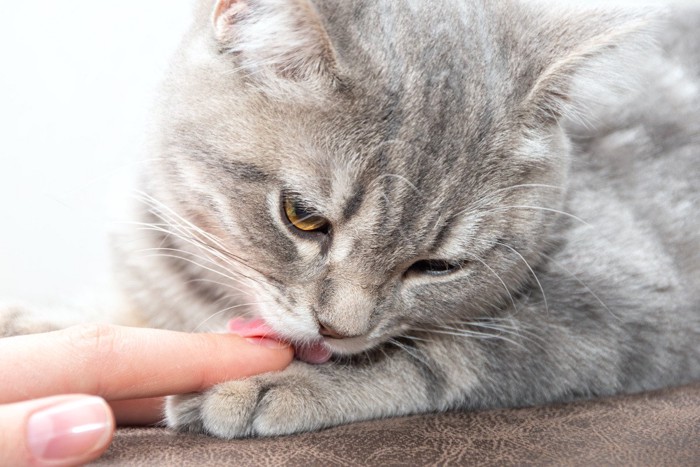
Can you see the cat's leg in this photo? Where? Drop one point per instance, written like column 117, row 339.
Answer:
column 17, row 320
column 306, row 397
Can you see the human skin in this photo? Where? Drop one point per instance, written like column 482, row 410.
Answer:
column 64, row 392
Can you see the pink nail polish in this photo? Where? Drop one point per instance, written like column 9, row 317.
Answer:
column 70, row 429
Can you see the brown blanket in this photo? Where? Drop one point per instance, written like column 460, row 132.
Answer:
column 660, row 428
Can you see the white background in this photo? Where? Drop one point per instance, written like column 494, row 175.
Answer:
column 77, row 79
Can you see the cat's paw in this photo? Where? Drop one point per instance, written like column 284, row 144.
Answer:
column 274, row 404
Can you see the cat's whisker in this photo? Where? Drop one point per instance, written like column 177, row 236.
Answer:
column 228, row 274
column 191, row 234
column 194, row 263
column 222, row 284
column 524, row 185
column 194, row 231
column 382, row 350
column 228, row 300
column 213, row 315
column 510, row 295
column 171, row 227
column 180, row 220
column 540, row 208
column 519, row 332
column 400, row 178
column 208, row 259
column 414, row 338
column 205, row 248
column 193, row 242
column 398, row 229
column 230, row 308
column 412, row 352
column 583, row 284
column 178, row 250
column 473, row 334
column 493, row 199
column 532, row 271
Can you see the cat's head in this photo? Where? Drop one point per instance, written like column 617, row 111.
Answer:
column 368, row 167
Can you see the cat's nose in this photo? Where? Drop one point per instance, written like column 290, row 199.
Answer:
column 327, row 331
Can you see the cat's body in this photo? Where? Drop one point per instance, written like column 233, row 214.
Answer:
column 513, row 214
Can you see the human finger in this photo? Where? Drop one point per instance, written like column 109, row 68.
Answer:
column 55, row 431
column 130, row 363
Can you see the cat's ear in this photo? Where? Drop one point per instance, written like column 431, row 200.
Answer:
column 281, row 38
column 593, row 63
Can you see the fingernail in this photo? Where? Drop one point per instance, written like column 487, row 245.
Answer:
column 70, row 430
column 265, row 342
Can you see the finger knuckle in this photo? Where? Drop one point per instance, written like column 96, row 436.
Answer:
column 94, row 341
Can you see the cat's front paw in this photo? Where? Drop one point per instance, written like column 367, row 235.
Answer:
column 274, row 404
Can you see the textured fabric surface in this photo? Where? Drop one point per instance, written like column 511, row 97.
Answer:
column 660, row 428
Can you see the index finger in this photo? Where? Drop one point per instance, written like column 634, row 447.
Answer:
column 128, row 363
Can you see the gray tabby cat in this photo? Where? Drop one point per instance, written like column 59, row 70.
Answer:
column 446, row 204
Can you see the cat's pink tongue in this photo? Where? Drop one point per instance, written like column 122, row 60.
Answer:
column 315, row 353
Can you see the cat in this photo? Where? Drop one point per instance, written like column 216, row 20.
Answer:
column 443, row 205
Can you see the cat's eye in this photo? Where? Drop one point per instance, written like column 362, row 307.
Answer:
column 304, row 218
column 434, row 268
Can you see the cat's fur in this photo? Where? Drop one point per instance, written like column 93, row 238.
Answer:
column 555, row 155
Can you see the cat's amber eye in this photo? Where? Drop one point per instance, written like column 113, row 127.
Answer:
column 304, row 218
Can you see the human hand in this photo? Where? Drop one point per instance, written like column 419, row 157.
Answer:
column 48, row 418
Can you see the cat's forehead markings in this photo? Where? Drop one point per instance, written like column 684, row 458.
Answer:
column 458, row 236
column 353, row 204
column 346, row 194
column 346, row 199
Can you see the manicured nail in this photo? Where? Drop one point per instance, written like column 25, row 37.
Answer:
column 265, row 342
column 70, row 430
